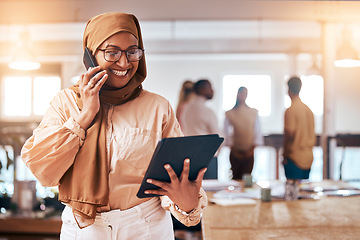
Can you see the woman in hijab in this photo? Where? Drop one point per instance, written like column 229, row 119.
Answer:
column 97, row 138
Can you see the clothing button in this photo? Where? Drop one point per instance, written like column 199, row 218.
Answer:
column 105, row 220
column 110, row 227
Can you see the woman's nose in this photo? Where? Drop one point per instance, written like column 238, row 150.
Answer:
column 123, row 61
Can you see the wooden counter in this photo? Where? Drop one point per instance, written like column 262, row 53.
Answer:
column 19, row 228
column 326, row 218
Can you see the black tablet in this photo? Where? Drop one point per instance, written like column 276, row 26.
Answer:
column 199, row 149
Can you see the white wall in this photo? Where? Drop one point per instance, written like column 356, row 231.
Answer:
column 347, row 100
column 167, row 72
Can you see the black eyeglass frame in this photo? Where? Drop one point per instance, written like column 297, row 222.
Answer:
column 123, row 51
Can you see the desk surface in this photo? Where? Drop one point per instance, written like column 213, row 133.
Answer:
column 30, row 225
column 326, row 218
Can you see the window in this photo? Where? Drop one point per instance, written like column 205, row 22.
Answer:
column 17, row 96
column 25, row 96
column 312, row 93
column 259, row 91
column 45, row 88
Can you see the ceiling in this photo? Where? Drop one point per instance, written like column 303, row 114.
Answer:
column 187, row 26
column 58, row 11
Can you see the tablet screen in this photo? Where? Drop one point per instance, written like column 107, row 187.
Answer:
column 199, row 149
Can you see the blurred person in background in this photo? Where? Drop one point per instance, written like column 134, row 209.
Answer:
column 299, row 134
column 242, row 134
column 198, row 119
column 185, row 95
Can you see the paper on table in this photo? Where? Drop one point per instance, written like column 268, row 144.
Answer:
column 233, row 202
column 216, row 185
column 342, row 193
column 238, row 193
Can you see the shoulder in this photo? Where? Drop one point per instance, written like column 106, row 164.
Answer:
column 147, row 94
column 150, row 100
column 253, row 110
column 64, row 97
column 289, row 111
column 306, row 107
column 229, row 112
column 62, row 107
column 301, row 106
column 152, row 97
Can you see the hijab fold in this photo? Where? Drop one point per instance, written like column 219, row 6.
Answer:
column 85, row 185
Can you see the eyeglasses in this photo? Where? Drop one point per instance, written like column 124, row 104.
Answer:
column 132, row 54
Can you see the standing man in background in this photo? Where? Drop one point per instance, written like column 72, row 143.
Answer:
column 299, row 135
column 198, row 119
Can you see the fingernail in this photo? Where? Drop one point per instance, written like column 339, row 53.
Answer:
column 149, row 180
column 187, row 160
column 167, row 166
column 146, row 192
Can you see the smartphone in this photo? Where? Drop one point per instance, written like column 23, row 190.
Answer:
column 88, row 59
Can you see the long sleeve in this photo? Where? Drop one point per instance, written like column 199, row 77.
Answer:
column 52, row 148
column 190, row 219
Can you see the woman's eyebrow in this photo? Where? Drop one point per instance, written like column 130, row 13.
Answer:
column 117, row 47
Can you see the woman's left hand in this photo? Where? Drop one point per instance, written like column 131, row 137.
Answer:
column 181, row 191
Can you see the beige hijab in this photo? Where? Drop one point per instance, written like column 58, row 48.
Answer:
column 85, row 185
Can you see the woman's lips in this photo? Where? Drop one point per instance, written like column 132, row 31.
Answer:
column 119, row 73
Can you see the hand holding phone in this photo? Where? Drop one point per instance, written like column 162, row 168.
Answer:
column 89, row 60
column 88, row 85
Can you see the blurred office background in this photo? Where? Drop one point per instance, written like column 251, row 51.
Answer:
column 257, row 44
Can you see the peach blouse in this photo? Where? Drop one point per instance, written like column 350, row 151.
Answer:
column 133, row 131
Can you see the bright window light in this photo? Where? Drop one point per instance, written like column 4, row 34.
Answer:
column 45, row 88
column 17, row 96
column 259, row 91
column 312, row 93
column 27, row 96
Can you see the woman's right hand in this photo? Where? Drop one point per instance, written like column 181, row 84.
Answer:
column 89, row 86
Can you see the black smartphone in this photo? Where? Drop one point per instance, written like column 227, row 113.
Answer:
column 88, row 59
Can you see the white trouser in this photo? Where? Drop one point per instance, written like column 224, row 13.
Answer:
column 147, row 221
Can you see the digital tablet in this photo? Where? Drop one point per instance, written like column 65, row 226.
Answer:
column 199, row 149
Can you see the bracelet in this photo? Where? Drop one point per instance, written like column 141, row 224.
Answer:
column 182, row 211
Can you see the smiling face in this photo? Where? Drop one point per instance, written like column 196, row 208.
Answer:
column 122, row 71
